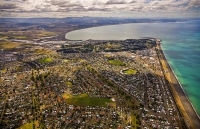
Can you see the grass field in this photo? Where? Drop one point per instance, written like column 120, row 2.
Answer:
column 44, row 52
column 41, row 51
column 44, row 34
column 45, row 60
column 9, row 45
column 116, row 62
column 65, row 61
column 3, row 70
column 129, row 71
column 85, row 100
column 26, row 35
column 3, row 36
column 20, row 37
column 69, row 84
column 29, row 125
column 20, row 68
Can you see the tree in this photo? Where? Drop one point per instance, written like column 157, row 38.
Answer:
column 42, row 84
column 32, row 78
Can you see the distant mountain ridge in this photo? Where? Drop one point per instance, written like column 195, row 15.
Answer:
column 89, row 20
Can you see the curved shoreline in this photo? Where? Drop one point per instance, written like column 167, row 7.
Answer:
column 187, row 109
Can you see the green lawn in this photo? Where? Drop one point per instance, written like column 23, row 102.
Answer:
column 85, row 100
column 44, row 34
column 13, row 36
column 3, row 70
column 20, row 68
column 3, row 36
column 20, row 37
column 65, row 61
column 129, row 71
column 69, row 84
column 9, row 45
column 29, row 125
column 134, row 119
column 116, row 62
column 45, row 60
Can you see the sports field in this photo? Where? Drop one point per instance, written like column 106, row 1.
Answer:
column 85, row 100
column 116, row 62
column 45, row 60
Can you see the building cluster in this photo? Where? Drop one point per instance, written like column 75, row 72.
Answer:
column 33, row 91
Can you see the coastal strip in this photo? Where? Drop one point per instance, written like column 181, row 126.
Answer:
column 185, row 107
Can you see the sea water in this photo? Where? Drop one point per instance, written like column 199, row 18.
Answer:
column 180, row 43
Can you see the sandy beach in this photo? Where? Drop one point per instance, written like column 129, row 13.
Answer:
column 184, row 105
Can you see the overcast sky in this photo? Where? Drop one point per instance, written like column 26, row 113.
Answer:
column 98, row 8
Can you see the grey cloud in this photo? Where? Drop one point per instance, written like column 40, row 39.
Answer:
column 72, row 8
column 78, row 8
column 155, row 3
column 98, row 9
column 194, row 3
column 168, row 5
column 161, row 8
column 70, row 5
column 83, row 9
column 133, row 1
column 137, row 9
column 13, row 1
column 65, row 4
column 43, row 8
column 59, row 3
column 84, row 6
column 8, row 6
column 110, row 2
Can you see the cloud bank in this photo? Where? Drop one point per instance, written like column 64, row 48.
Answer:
column 127, row 8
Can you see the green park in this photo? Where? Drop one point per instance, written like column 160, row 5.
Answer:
column 129, row 71
column 116, row 62
column 86, row 100
column 45, row 60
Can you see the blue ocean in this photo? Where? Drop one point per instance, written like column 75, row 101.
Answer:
column 180, row 43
